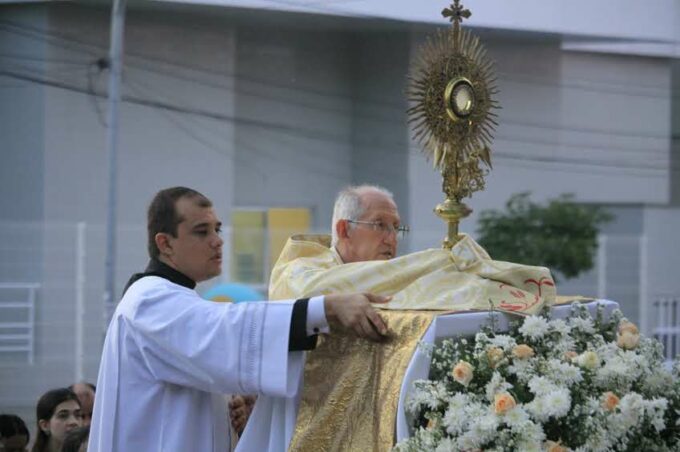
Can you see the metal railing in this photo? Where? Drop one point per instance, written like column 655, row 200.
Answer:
column 667, row 325
column 17, row 319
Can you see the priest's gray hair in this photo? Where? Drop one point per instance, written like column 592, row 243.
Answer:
column 348, row 205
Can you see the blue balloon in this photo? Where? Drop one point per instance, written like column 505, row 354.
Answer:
column 232, row 292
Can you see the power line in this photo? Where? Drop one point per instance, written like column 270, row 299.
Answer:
column 581, row 84
column 294, row 99
column 40, row 59
column 643, row 153
column 601, row 162
column 240, row 144
column 530, row 79
column 268, row 126
column 500, row 135
column 52, row 37
column 292, row 130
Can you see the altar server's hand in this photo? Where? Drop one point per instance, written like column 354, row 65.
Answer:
column 355, row 312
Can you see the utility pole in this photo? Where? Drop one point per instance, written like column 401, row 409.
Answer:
column 116, row 69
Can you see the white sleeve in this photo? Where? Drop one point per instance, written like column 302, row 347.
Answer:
column 316, row 316
column 215, row 347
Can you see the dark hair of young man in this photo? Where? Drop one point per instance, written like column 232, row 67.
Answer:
column 162, row 215
column 11, row 424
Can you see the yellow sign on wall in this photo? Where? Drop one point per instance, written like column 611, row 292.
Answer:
column 248, row 246
column 258, row 237
column 282, row 224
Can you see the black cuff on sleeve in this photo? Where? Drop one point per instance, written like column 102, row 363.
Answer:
column 298, row 339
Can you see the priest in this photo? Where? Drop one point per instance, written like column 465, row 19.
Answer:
column 360, row 256
column 169, row 355
column 356, row 408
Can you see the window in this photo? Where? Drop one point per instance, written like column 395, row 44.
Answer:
column 258, row 237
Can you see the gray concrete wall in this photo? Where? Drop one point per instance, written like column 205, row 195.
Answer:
column 176, row 128
column 21, row 183
column 617, row 274
column 656, row 20
column 294, row 104
column 380, row 136
column 21, row 146
column 623, row 258
column 675, row 134
column 662, row 258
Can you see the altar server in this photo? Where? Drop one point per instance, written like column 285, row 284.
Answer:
column 169, row 355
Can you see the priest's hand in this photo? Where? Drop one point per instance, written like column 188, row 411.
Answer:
column 355, row 313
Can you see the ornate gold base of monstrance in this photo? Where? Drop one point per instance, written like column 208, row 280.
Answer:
column 451, row 88
column 452, row 212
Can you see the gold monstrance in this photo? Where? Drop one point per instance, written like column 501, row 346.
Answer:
column 452, row 87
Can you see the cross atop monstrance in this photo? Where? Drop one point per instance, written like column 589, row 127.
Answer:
column 456, row 13
column 451, row 90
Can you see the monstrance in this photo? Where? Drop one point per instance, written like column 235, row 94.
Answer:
column 451, row 90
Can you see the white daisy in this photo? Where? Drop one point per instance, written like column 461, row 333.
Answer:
column 534, row 327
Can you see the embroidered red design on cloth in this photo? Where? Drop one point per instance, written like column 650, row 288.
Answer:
column 545, row 281
column 520, row 303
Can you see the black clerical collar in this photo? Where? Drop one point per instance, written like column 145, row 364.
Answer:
column 158, row 268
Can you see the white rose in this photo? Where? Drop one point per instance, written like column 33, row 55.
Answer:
column 589, row 360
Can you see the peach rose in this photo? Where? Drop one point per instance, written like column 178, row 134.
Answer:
column 552, row 446
column 628, row 340
column 628, row 326
column 495, row 355
column 432, row 424
column 523, row 351
column 570, row 355
column 503, row 402
column 463, row 372
column 609, row 401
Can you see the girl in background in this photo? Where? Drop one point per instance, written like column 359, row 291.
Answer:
column 58, row 412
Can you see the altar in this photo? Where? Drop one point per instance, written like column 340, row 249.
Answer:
column 272, row 423
column 464, row 324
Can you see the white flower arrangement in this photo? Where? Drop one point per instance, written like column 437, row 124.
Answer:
column 579, row 384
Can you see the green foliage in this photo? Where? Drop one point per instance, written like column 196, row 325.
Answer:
column 561, row 236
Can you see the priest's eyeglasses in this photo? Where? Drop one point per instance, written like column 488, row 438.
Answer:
column 400, row 231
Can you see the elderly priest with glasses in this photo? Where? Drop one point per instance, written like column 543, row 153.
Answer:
column 350, row 392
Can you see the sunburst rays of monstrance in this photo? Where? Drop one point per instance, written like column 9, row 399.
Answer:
column 452, row 89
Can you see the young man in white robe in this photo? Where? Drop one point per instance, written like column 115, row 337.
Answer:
column 169, row 355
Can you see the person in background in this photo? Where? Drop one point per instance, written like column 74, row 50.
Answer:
column 85, row 392
column 57, row 413
column 14, row 435
column 76, row 440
